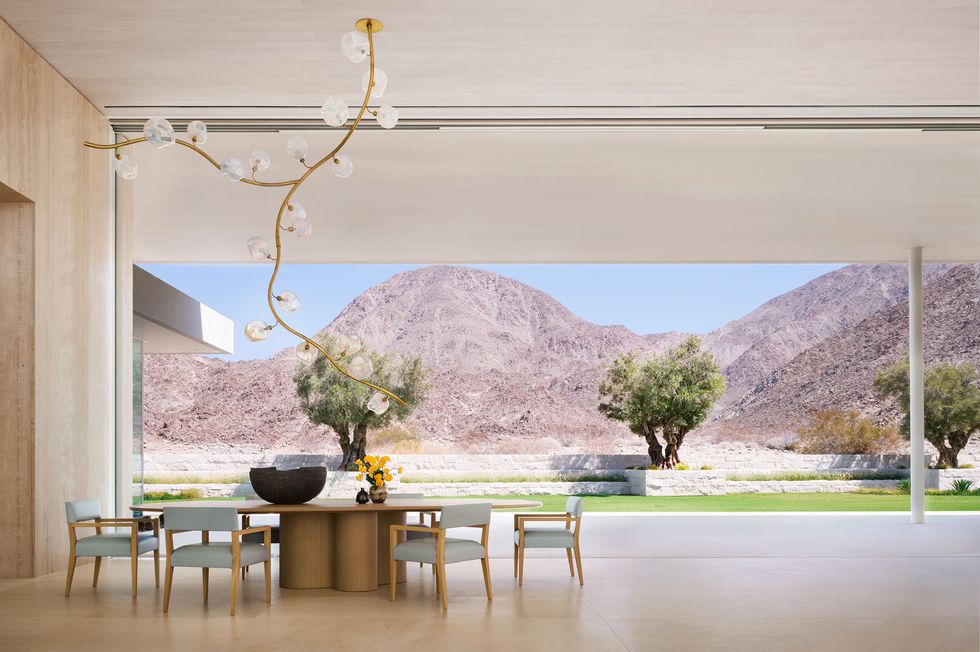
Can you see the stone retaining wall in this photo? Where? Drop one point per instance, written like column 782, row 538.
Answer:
column 676, row 483
column 804, row 486
column 736, row 458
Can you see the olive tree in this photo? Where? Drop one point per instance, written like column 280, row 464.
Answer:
column 330, row 398
column 952, row 403
column 671, row 394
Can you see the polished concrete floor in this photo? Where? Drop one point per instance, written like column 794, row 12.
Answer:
column 652, row 582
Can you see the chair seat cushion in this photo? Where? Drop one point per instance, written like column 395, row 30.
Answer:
column 545, row 537
column 115, row 544
column 424, row 550
column 217, row 555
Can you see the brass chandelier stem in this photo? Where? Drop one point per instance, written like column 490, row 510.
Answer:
column 294, row 184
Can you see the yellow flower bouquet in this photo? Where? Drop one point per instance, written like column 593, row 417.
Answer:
column 378, row 473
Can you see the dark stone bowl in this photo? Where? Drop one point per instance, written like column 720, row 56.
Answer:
column 289, row 487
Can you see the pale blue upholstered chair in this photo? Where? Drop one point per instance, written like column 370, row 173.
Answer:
column 549, row 536
column 83, row 514
column 206, row 555
column 413, row 534
column 438, row 549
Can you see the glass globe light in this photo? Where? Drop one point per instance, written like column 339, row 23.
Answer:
column 360, row 367
column 379, row 403
column 348, row 345
column 258, row 160
column 294, row 211
column 288, row 301
column 387, row 116
column 197, row 131
column 159, row 132
column 257, row 330
column 305, row 352
column 342, row 165
column 296, row 148
column 355, row 46
column 380, row 82
column 233, row 169
column 335, row 111
column 259, row 248
column 302, row 228
column 126, row 167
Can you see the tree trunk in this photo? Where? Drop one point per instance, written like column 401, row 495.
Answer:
column 948, row 456
column 360, row 440
column 343, row 436
column 655, row 450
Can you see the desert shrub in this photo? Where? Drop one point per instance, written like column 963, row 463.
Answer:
column 397, row 439
column 966, row 466
column 705, row 467
column 681, row 467
column 961, row 487
column 183, row 494
column 846, row 433
column 904, row 486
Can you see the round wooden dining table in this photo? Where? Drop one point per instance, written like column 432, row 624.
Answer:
column 337, row 544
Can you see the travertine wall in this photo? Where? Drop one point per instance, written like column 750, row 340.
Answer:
column 60, row 446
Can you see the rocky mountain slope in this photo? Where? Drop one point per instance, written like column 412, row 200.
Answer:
column 511, row 368
column 838, row 372
column 752, row 347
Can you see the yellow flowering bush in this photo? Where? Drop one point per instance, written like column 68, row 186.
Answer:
column 376, row 470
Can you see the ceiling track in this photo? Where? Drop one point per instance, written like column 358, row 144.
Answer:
column 129, row 125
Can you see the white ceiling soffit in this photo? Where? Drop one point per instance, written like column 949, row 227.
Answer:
column 674, row 57
column 686, row 195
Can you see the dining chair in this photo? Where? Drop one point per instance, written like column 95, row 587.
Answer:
column 207, row 555
column 411, row 534
column 257, row 537
column 438, row 549
column 88, row 514
column 549, row 536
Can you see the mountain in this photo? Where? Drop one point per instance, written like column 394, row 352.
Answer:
column 513, row 370
column 838, row 371
column 752, row 347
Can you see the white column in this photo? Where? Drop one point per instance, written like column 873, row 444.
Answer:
column 916, row 388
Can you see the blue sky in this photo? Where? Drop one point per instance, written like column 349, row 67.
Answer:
column 644, row 298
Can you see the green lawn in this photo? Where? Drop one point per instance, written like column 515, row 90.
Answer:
column 825, row 502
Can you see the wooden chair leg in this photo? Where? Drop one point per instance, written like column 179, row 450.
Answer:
column 442, row 586
column 578, row 562
column 486, row 577
column 520, row 567
column 234, row 591
column 167, row 583
column 134, row 564
column 95, row 573
column 71, row 574
column 392, row 564
column 435, row 571
column 268, row 580
column 571, row 566
column 515, row 560
column 205, row 573
column 156, row 567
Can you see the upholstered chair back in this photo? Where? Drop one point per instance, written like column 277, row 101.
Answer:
column 82, row 510
column 464, row 515
column 574, row 506
column 220, row 519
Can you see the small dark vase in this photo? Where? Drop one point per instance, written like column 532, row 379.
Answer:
column 362, row 497
column 378, row 494
column 289, row 487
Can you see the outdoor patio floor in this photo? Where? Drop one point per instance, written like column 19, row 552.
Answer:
column 652, row 582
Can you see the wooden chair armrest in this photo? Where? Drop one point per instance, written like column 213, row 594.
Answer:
column 528, row 515
column 550, row 518
column 127, row 521
column 252, row 530
column 106, row 523
column 415, row 528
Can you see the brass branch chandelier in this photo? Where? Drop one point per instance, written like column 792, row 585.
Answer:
column 357, row 46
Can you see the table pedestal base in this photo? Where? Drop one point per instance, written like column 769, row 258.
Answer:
column 347, row 551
